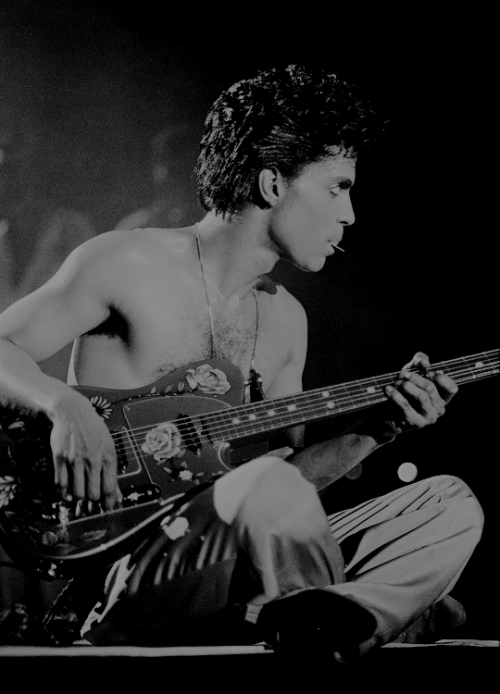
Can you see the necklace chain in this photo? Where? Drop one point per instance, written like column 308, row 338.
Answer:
column 213, row 345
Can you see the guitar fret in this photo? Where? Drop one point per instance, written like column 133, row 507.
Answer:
column 284, row 415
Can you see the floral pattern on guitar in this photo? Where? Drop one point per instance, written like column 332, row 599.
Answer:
column 163, row 442
column 103, row 408
column 207, row 379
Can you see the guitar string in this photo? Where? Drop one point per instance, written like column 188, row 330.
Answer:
column 124, row 446
column 464, row 373
column 232, row 433
column 377, row 381
column 230, row 412
column 352, row 401
column 371, row 381
column 319, row 393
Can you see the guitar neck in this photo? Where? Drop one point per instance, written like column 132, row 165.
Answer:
column 323, row 403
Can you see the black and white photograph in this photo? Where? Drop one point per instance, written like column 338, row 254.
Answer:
column 248, row 345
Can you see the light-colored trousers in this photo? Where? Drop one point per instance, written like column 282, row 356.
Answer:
column 260, row 534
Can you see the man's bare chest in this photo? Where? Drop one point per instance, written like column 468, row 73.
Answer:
column 190, row 332
column 156, row 336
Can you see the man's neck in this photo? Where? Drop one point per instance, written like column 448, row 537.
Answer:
column 235, row 253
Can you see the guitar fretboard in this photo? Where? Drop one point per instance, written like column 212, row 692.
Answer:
column 323, row 403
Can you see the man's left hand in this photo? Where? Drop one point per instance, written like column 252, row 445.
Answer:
column 420, row 394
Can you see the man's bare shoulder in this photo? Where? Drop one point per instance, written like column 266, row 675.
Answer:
column 286, row 304
column 137, row 251
column 139, row 244
column 289, row 322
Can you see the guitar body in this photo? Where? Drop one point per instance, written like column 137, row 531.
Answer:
column 163, row 452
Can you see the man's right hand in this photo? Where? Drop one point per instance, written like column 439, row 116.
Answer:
column 84, row 455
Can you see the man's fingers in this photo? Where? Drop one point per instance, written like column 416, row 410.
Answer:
column 83, row 479
column 420, row 393
column 84, row 454
column 111, row 494
column 423, row 392
column 446, row 385
column 93, row 479
column 420, row 366
column 420, row 360
column 76, row 473
column 411, row 416
column 61, row 475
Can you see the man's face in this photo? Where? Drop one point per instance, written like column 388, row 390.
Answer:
column 313, row 211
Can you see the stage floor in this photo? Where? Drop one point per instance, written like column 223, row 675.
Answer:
column 456, row 663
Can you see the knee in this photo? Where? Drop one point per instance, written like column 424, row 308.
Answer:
column 449, row 488
column 283, row 500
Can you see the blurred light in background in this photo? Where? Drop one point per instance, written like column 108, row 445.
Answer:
column 175, row 215
column 407, row 472
column 160, row 173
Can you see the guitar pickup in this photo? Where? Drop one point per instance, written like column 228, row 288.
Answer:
column 190, row 433
column 141, row 494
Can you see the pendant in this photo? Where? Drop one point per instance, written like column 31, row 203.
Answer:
column 255, row 384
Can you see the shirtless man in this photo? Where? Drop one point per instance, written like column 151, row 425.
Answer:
column 277, row 163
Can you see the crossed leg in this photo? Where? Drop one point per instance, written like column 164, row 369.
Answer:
column 260, row 534
column 405, row 550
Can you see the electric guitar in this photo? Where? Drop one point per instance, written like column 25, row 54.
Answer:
column 171, row 437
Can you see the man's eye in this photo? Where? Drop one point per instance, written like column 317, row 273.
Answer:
column 335, row 191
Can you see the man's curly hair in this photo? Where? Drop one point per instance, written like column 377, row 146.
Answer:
column 283, row 118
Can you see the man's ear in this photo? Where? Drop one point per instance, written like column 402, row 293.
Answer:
column 271, row 186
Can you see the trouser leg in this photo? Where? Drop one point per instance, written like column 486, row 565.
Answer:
column 283, row 530
column 259, row 533
column 406, row 550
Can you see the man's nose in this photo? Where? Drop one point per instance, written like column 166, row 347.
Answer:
column 346, row 215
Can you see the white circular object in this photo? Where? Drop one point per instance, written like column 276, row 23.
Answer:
column 407, row 472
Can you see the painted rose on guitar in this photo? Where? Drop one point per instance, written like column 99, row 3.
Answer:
column 163, row 442
column 207, row 379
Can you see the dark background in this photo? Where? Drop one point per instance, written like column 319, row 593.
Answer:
column 101, row 112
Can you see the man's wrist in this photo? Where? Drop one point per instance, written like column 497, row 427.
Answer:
column 385, row 432
column 380, row 429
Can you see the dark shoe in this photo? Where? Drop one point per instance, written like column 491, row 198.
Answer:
column 316, row 620
column 441, row 621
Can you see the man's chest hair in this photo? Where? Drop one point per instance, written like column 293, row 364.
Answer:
column 164, row 336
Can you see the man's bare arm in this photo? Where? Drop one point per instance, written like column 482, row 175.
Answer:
column 415, row 400
column 325, row 462
column 33, row 329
